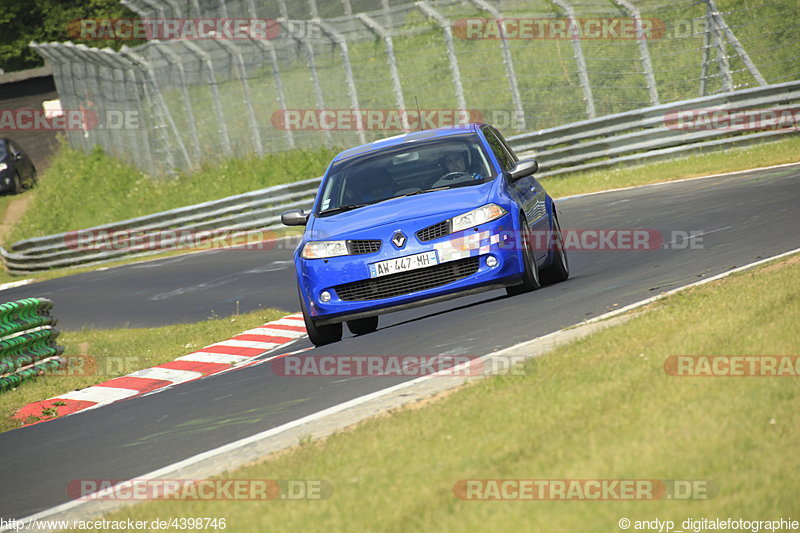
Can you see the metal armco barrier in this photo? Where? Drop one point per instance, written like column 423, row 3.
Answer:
column 630, row 137
column 27, row 341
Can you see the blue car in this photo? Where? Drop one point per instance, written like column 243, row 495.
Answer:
column 420, row 218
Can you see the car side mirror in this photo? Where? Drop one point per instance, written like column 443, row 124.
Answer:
column 295, row 217
column 526, row 167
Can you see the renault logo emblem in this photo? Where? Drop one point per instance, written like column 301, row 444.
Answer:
column 398, row 239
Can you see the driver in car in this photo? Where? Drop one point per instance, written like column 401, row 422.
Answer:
column 455, row 166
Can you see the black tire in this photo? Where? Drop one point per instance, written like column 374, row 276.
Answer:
column 530, row 280
column 16, row 184
column 558, row 270
column 34, row 179
column 362, row 326
column 320, row 335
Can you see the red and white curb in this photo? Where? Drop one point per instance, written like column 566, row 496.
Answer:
column 237, row 351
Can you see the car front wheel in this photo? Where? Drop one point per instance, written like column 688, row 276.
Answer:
column 530, row 279
column 16, row 184
column 558, row 270
column 320, row 335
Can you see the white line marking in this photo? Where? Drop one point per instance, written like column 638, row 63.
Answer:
column 20, row 283
column 166, row 374
column 100, row 395
column 231, row 343
column 275, row 332
column 208, row 357
column 241, row 443
column 695, row 235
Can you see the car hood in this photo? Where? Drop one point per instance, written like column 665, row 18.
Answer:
column 444, row 204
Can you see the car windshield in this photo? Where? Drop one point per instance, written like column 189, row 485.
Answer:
column 413, row 168
column 2, row 150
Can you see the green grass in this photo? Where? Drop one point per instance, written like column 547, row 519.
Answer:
column 82, row 190
column 602, row 407
column 96, row 356
column 695, row 165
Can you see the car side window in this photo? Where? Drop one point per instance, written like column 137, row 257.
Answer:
column 13, row 148
column 505, row 144
column 500, row 152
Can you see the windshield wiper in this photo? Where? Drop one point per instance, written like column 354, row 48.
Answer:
column 424, row 191
column 341, row 209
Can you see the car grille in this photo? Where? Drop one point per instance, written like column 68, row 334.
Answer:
column 363, row 247
column 434, row 232
column 408, row 282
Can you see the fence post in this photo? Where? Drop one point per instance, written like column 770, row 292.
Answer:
column 706, row 56
column 125, row 69
column 175, row 60
column 282, row 8
column 722, row 57
column 312, row 67
column 580, row 60
column 107, row 101
column 234, row 52
column 269, row 48
column 67, row 96
column 397, row 88
column 644, row 51
column 156, row 7
column 337, row 37
column 312, row 9
column 177, row 12
column 82, row 91
column 223, row 8
column 508, row 62
column 720, row 23
column 161, row 107
column 387, row 15
column 451, row 52
column 205, row 59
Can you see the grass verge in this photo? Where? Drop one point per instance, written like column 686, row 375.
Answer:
column 599, row 408
column 81, row 190
column 96, row 356
column 695, row 165
column 53, row 208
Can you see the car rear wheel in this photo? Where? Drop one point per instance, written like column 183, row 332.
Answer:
column 362, row 326
column 530, row 280
column 558, row 270
column 320, row 335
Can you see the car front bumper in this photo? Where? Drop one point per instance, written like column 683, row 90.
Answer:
column 465, row 252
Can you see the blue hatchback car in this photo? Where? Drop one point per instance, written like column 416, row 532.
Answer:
column 420, row 218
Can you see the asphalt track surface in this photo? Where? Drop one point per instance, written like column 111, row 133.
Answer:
column 743, row 218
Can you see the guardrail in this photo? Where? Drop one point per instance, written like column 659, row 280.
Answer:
column 655, row 131
column 623, row 138
column 27, row 341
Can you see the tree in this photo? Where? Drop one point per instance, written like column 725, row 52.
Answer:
column 24, row 21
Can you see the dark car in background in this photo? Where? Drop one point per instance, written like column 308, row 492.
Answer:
column 16, row 168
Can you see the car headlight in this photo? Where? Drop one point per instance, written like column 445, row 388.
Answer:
column 323, row 249
column 473, row 218
column 3, row 166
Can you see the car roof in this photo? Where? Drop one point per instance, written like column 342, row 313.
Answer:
column 404, row 138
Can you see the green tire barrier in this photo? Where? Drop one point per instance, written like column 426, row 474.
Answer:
column 27, row 341
column 13, row 380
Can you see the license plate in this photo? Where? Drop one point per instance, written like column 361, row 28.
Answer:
column 403, row 264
